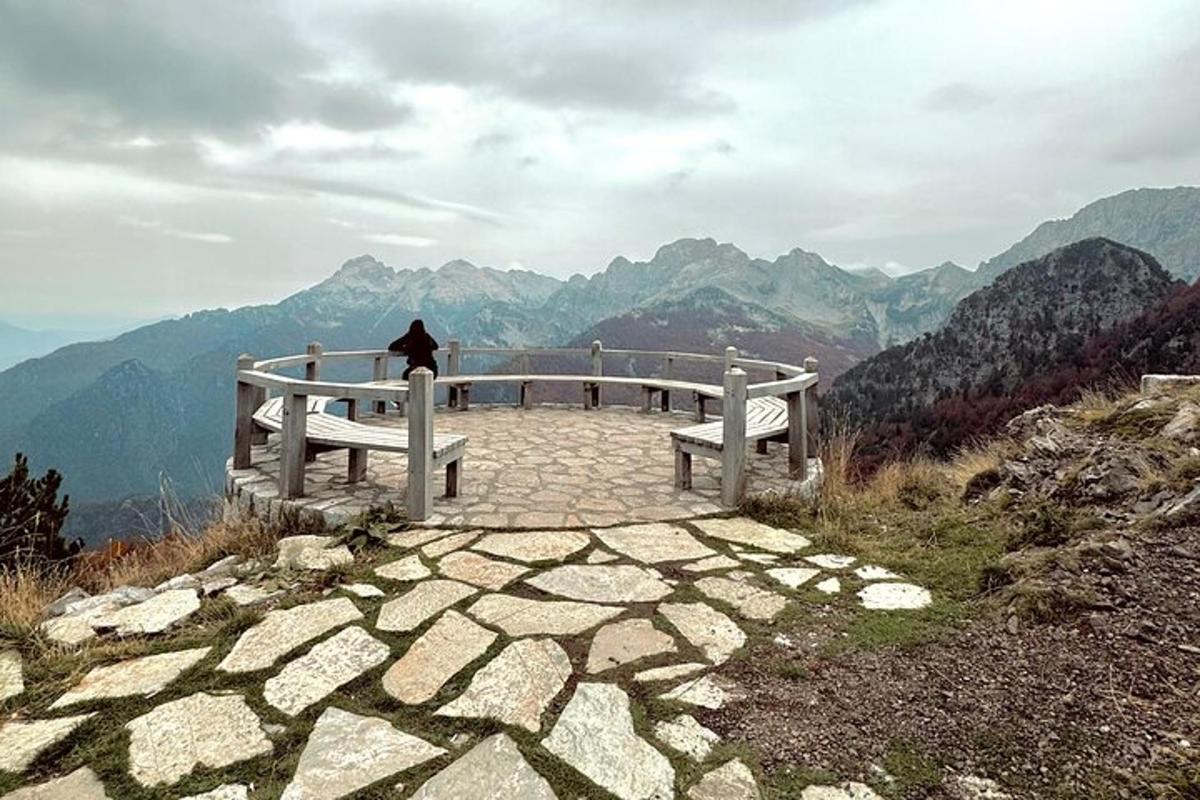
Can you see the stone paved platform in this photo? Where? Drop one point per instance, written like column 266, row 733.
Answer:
column 547, row 467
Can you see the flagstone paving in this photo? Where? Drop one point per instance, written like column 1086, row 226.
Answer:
column 346, row 752
column 145, row 676
column 150, row 616
column 11, row 681
column 198, row 730
column 525, row 632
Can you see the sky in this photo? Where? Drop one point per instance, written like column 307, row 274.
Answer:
column 157, row 158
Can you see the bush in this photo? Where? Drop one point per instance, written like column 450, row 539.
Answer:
column 31, row 518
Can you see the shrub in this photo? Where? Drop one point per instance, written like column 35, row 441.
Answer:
column 31, row 518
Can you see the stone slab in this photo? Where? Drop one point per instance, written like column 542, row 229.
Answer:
column 669, row 672
column 12, row 682
column 623, row 642
column 712, row 564
column 519, row 616
column 750, row 601
column 144, row 676
column 686, row 735
column 707, row 691
column 438, row 655
column 421, row 602
column 449, row 544
column 533, row 547
column 516, row 686
column 409, row 568
column 733, row 780
column 654, row 543
column 347, row 752
column 151, row 616
column 717, row 636
column 82, row 784
column 793, row 577
column 478, row 570
column 494, row 769
column 283, row 630
column 602, row 583
column 753, row 534
column 364, row 590
column 894, row 596
column 830, row 561
column 595, row 735
column 228, row 791
column 330, row 664
column 201, row 729
column 23, row 741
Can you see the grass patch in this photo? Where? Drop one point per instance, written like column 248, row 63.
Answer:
column 880, row 629
column 916, row 772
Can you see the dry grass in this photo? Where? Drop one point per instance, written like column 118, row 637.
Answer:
column 26, row 590
column 971, row 462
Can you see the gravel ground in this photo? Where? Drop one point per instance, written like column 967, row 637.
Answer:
column 1100, row 703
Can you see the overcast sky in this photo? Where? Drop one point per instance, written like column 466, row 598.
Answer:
column 162, row 157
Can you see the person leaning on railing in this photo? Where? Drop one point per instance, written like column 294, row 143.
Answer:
column 418, row 346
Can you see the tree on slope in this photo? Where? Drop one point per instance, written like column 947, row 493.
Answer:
column 31, row 517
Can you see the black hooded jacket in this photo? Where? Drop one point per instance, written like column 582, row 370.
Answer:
column 418, row 346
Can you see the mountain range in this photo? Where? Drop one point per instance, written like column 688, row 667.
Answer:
column 1087, row 314
column 156, row 402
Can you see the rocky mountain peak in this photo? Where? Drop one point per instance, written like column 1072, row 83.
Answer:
column 682, row 252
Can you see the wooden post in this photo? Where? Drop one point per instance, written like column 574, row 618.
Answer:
column 733, row 448
column 597, row 369
column 358, row 455
column 669, row 374
column 811, row 413
column 420, row 444
column 526, row 394
column 453, row 367
column 797, row 436
column 380, row 374
column 312, row 370
column 699, row 400
column 293, row 446
column 243, row 425
column 731, row 355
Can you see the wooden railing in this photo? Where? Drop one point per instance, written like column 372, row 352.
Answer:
column 255, row 378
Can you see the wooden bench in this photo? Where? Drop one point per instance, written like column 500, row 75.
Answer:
column 326, row 432
column 766, row 420
column 460, row 389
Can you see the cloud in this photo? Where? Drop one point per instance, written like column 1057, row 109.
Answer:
column 399, row 240
column 176, row 233
column 958, row 97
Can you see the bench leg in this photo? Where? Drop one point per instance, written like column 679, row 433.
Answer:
column 381, row 407
column 358, row 465
column 700, row 400
column 588, row 397
column 453, row 472
column 683, row 469
column 647, row 399
column 310, row 454
column 526, row 395
column 595, row 395
column 761, row 446
column 666, row 400
column 464, row 398
column 452, row 397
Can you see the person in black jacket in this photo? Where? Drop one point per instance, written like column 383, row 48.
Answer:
column 419, row 346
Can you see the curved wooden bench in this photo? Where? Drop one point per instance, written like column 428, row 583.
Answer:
column 766, row 420
column 460, row 388
column 326, row 432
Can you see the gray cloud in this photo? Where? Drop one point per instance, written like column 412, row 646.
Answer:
column 160, row 157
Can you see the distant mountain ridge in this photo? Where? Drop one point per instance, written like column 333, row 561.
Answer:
column 1163, row 222
column 1031, row 321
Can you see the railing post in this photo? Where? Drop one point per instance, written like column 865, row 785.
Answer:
column 293, row 445
column 797, row 435
column 597, row 369
column 453, row 367
column 731, row 355
column 811, row 411
column 312, row 370
column 379, row 374
column 243, row 425
column 669, row 374
column 420, row 444
column 733, row 448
